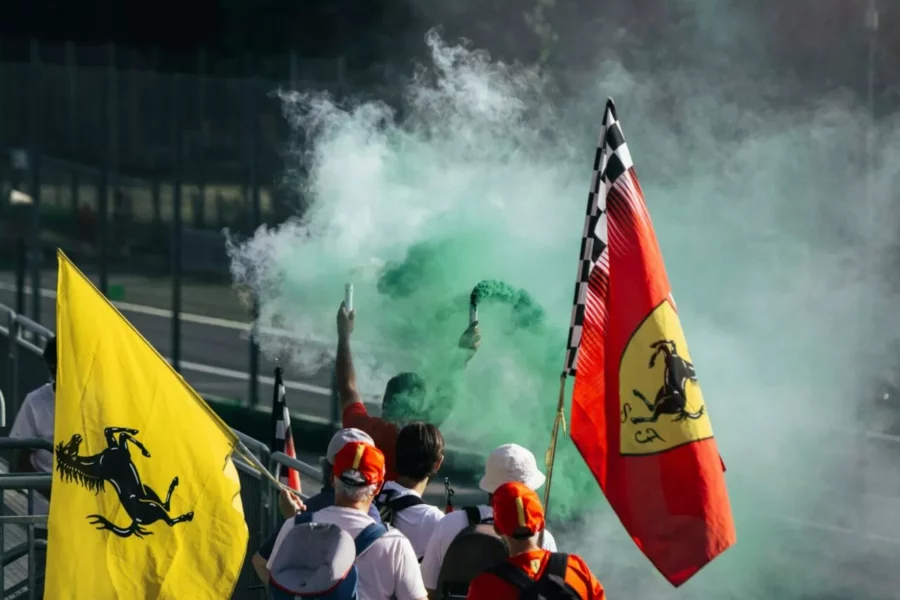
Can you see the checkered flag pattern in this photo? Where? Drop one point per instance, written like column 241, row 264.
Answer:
column 283, row 438
column 612, row 160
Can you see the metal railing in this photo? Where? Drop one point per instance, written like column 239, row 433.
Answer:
column 20, row 333
column 279, row 460
column 257, row 508
column 21, row 342
column 17, row 512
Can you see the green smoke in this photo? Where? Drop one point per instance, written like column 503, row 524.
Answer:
column 526, row 313
column 780, row 265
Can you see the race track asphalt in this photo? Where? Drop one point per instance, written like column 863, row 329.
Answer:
column 215, row 355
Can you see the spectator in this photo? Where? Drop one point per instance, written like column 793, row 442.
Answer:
column 290, row 505
column 420, row 452
column 404, row 395
column 507, row 463
column 36, row 419
column 519, row 519
column 388, row 568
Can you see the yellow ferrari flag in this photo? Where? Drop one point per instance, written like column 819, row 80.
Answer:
column 145, row 499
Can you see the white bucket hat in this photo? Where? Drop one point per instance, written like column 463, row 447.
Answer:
column 344, row 437
column 511, row 462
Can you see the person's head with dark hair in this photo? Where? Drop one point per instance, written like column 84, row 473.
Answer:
column 404, row 398
column 420, row 452
column 50, row 356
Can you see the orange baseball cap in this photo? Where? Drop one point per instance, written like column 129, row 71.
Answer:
column 517, row 511
column 359, row 463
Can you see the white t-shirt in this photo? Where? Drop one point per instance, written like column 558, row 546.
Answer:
column 35, row 420
column 389, row 567
column 444, row 533
column 417, row 523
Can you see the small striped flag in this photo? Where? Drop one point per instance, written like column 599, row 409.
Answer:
column 448, row 494
column 282, row 437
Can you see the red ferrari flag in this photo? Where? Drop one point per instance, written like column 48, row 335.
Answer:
column 638, row 415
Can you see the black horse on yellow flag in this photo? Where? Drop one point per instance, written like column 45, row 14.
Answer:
column 128, row 425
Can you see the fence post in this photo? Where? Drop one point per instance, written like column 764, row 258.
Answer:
column 35, row 165
column 200, row 208
column 177, row 225
column 13, row 363
column 155, row 199
column 113, row 116
column 71, row 83
column 106, row 170
column 4, row 142
column 256, row 218
column 294, row 74
column 75, row 183
column 158, row 168
column 21, row 266
column 103, row 185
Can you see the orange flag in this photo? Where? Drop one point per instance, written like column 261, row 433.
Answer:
column 638, row 415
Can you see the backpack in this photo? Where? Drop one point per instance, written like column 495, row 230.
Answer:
column 474, row 550
column 317, row 561
column 388, row 504
column 551, row 585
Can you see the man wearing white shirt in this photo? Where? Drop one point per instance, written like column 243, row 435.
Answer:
column 388, row 568
column 507, row 463
column 420, row 453
column 36, row 419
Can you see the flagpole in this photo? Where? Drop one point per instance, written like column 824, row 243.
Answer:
column 550, row 457
column 242, row 451
column 279, row 373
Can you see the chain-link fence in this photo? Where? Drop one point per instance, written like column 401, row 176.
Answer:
column 135, row 174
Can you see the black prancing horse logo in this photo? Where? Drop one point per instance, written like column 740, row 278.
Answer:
column 114, row 465
column 671, row 399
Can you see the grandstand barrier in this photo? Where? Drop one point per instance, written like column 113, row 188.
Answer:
column 279, row 460
column 257, row 507
column 24, row 370
column 23, row 548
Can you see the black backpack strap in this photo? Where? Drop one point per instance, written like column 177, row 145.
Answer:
column 557, row 564
column 382, row 504
column 404, row 502
column 369, row 536
column 303, row 518
column 389, row 503
column 557, row 567
column 473, row 513
column 510, row 573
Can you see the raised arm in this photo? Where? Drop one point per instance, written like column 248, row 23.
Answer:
column 448, row 389
column 345, row 374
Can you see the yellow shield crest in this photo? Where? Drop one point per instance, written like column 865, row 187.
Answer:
column 661, row 405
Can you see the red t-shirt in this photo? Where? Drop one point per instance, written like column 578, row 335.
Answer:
column 384, row 434
column 491, row 587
